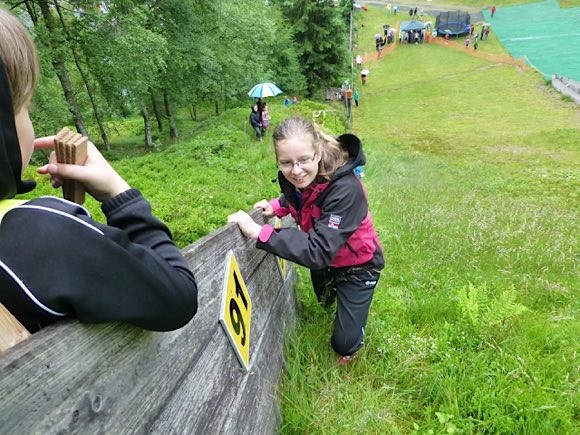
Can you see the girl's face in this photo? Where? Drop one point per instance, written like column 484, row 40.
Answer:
column 25, row 133
column 298, row 160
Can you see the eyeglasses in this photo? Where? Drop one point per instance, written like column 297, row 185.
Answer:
column 301, row 162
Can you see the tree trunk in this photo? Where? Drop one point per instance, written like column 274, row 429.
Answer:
column 193, row 113
column 85, row 78
column 31, row 11
column 217, row 108
column 60, row 68
column 156, row 110
column 147, row 122
column 172, row 126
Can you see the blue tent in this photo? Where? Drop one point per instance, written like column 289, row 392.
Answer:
column 409, row 26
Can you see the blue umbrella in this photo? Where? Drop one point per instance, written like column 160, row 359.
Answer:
column 262, row 90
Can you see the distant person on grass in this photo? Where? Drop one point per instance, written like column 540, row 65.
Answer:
column 265, row 119
column 56, row 262
column 255, row 120
column 335, row 237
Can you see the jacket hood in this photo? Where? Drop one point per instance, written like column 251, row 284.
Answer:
column 10, row 157
column 356, row 156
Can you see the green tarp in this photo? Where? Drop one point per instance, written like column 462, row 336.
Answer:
column 543, row 34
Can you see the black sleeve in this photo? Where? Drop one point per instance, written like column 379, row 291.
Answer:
column 130, row 212
column 343, row 208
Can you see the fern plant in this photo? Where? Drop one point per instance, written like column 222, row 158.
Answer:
column 480, row 310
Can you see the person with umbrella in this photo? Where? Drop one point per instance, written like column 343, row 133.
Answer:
column 261, row 91
column 378, row 44
column 256, row 122
column 363, row 76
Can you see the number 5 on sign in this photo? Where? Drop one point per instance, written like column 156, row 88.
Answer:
column 236, row 311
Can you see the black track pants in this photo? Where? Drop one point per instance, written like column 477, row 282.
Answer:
column 354, row 291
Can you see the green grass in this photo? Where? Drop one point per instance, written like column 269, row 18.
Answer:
column 473, row 182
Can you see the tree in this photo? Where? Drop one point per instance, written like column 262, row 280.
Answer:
column 320, row 37
column 53, row 39
column 127, row 58
column 116, row 58
column 83, row 74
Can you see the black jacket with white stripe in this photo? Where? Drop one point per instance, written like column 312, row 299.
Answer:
column 56, row 262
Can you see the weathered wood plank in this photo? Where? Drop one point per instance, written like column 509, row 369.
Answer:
column 257, row 404
column 112, row 378
column 208, row 416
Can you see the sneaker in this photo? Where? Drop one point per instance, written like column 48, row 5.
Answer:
column 345, row 360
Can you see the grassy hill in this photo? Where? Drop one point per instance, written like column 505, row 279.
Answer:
column 473, row 181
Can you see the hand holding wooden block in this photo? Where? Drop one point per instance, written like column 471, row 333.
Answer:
column 71, row 148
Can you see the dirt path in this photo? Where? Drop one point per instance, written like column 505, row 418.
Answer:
column 369, row 58
column 497, row 58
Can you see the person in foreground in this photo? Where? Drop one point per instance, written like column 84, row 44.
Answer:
column 336, row 238
column 56, row 262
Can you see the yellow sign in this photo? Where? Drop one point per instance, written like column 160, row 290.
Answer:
column 281, row 261
column 236, row 311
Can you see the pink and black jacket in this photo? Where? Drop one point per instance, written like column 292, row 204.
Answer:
column 336, row 229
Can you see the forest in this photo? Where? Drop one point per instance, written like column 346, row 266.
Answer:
column 103, row 61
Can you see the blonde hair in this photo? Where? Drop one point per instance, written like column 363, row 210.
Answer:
column 18, row 53
column 332, row 154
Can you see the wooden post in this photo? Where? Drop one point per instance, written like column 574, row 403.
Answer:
column 11, row 330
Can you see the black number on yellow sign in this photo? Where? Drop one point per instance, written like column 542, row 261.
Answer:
column 235, row 313
column 237, row 321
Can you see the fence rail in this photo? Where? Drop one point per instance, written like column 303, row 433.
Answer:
column 114, row 378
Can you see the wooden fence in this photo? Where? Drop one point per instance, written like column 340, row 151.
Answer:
column 116, row 379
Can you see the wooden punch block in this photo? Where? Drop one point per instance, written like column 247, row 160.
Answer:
column 11, row 330
column 71, row 148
